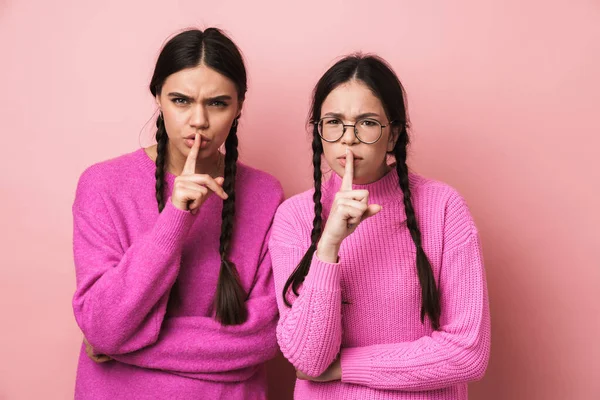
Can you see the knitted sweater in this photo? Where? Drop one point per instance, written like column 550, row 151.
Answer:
column 166, row 343
column 366, row 308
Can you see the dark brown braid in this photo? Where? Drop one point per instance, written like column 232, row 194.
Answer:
column 161, row 163
column 161, row 157
column 297, row 277
column 230, row 298
column 430, row 302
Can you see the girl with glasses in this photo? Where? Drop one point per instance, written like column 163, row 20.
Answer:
column 174, row 283
column 379, row 274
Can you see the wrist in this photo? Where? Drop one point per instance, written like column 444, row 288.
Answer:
column 179, row 205
column 328, row 251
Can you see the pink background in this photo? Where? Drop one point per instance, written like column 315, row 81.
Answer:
column 504, row 97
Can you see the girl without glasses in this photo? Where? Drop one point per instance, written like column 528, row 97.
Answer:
column 174, row 284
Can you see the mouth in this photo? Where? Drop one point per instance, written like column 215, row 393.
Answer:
column 342, row 160
column 189, row 141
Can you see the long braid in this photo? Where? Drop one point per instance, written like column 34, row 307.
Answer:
column 161, row 158
column 230, row 297
column 430, row 302
column 297, row 277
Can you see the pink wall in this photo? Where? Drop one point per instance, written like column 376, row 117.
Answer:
column 504, row 98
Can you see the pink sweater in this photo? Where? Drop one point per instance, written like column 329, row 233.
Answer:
column 127, row 258
column 386, row 352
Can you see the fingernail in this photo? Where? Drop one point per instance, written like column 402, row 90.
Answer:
column 347, row 150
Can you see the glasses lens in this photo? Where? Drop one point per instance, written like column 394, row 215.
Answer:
column 331, row 129
column 368, row 130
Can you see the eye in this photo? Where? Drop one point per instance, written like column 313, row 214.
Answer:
column 218, row 103
column 368, row 123
column 180, row 101
column 332, row 121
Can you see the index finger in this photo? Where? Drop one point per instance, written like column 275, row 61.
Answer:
column 190, row 163
column 348, row 171
column 213, row 185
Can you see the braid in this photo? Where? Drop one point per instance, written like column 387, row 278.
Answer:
column 230, row 298
column 161, row 156
column 297, row 277
column 430, row 301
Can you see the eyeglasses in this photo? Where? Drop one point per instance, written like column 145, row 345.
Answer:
column 366, row 130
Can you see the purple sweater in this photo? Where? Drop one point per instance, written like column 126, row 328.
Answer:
column 366, row 307
column 127, row 259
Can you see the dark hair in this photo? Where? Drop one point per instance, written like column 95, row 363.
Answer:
column 214, row 49
column 385, row 85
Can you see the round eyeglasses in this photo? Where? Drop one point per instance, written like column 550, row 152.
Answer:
column 366, row 130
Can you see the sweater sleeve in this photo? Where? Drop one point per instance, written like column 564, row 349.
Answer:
column 457, row 353
column 121, row 294
column 200, row 347
column 309, row 332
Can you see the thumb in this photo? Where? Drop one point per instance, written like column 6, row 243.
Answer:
column 220, row 180
column 373, row 209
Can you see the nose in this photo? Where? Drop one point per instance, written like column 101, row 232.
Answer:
column 199, row 117
column 348, row 137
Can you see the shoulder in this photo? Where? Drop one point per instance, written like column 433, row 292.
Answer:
column 106, row 172
column 253, row 177
column 435, row 192
column 108, row 178
column 298, row 207
column 294, row 219
column 258, row 188
column 439, row 201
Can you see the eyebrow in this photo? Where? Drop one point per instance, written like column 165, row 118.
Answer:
column 219, row 98
column 360, row 116
column 210, row 99
column 177, row 94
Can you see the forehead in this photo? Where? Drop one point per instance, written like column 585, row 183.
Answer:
column 352, row 98
column 200, row 82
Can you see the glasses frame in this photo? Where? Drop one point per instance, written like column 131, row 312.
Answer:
column 319, row 125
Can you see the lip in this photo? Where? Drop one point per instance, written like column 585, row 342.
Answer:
column 342, row 160
column 189, row 141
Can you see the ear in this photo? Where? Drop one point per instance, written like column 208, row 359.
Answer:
column 239, row 111
column 393, row 138
column 158, row 103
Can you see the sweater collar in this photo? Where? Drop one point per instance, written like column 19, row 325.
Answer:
column 385, row 190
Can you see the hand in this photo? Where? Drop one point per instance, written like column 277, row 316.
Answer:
column 191, row 190
column 89, row 350
column 350, row 207
column 333, row 373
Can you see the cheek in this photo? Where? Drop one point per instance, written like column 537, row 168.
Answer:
column 220, row 127
column 377, row 153
column 330, row 154
column 174, row 121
